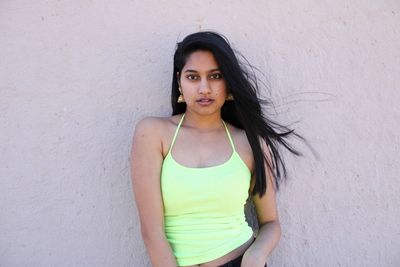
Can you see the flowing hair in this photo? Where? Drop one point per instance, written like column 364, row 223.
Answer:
column 245, row 112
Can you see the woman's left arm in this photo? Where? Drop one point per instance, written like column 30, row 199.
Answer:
column 269, row 231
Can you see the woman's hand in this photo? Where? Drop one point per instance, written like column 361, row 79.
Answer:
column 253, row 258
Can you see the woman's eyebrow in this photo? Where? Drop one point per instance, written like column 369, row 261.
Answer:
column 189, row 70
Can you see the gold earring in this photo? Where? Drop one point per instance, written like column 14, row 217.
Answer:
column 229, row 97
column 180, row 98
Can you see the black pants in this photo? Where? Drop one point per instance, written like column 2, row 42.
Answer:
column 235, row 262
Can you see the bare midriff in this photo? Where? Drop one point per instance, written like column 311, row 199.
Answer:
column 228, row 257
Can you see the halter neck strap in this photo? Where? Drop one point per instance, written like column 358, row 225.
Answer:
column 229, row 136
column 180, row 123
column 176, row 131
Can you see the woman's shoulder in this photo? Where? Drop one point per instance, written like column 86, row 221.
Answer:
column 242, row 145
column 158, row 129
column 157, row 125
column 238, row 134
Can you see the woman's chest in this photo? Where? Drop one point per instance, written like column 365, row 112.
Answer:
column 221, row 189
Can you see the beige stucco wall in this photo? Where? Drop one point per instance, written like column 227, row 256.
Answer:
column 76, row 76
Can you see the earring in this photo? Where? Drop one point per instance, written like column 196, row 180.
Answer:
column 180, row 98
column 229, row 97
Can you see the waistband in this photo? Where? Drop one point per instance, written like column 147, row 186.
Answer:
column 235, row 262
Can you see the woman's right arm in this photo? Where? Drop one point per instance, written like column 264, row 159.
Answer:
column 146, row 161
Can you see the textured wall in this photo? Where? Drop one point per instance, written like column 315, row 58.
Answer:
column 76, row 76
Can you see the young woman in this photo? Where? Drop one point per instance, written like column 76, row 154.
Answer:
column 192, row 172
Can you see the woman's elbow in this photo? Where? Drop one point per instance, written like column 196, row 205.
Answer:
column 275, row 227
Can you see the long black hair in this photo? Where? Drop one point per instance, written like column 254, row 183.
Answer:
column 245, row 112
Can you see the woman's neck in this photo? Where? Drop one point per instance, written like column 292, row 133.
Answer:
column 203, row 123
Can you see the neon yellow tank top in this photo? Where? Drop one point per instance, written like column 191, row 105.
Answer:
column 204, row 207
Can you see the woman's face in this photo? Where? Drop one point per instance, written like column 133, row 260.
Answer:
column 203, row 86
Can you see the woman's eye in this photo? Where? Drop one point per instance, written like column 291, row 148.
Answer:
column 216, row 76
column 191, row 77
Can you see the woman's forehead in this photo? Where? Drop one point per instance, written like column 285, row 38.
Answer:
column 201, row 61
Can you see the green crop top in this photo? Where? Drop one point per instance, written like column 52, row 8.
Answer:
column 204, row 207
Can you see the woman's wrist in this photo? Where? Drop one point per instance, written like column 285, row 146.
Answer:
column 254, row 257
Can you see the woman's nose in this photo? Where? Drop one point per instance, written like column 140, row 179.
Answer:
column 204, row 86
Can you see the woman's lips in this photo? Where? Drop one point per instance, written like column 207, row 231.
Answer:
column 205, row 101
